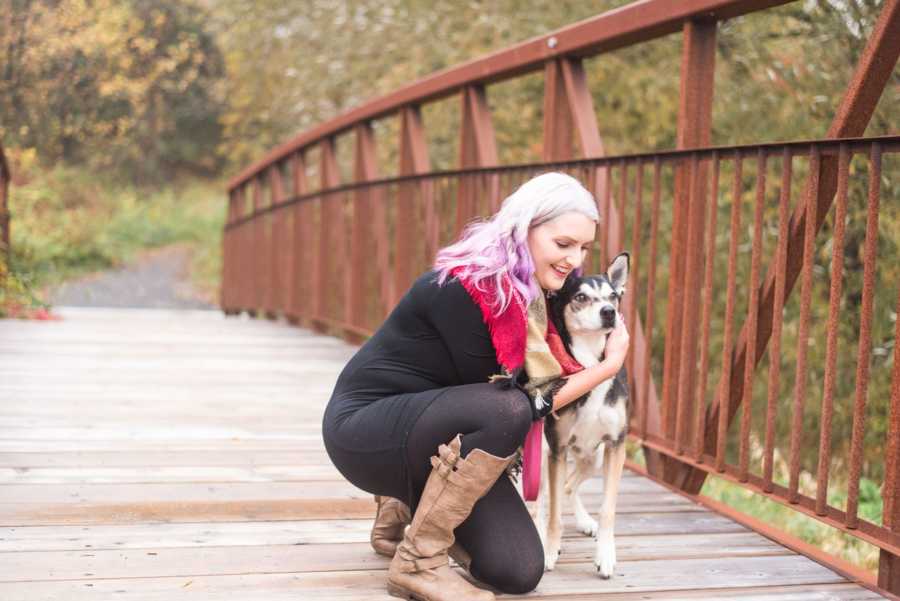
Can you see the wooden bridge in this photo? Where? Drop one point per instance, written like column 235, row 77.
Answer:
column 155, row 455
column 158, row 455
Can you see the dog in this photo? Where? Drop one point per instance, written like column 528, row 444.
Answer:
column 591, row 428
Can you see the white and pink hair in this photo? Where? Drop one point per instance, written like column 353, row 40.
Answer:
column 489, row 249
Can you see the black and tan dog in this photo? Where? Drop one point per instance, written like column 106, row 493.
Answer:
column 592, row 427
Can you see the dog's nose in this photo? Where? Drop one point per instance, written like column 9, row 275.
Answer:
column 608, row 313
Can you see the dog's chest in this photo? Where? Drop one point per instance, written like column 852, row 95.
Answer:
column 586, row 426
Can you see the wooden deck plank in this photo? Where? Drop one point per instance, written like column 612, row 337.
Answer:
column 218, row 490
column 325, row 554
column 152, row 454
column 31, row 514
column 204, row 533
column 632, row 577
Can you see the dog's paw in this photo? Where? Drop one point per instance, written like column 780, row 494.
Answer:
column 605, row 556
column 587, row 525
column 552, row 551
column 550, row 559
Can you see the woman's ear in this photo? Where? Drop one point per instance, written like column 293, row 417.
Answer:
column 617, row 274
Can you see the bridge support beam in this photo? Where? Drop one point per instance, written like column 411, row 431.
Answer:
column 694, row 130
column 275, row 247
column 330, row 235
column 477, row 148
column 413, row 160
column 254, row 294
column 569, row 116
column 359, row 277
column 300, row 270
column 229, row 268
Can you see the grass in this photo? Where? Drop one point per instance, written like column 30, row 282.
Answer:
column 808, row 529
column 67, row 223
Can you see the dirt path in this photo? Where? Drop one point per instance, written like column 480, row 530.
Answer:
column 156, row 279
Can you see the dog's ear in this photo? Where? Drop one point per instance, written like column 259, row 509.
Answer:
column 618, row 273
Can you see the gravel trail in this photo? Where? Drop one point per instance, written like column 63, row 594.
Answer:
column 157, row 279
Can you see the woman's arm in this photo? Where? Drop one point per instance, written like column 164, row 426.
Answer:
column 587, row 379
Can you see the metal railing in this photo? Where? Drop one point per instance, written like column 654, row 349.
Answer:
column 718, row 236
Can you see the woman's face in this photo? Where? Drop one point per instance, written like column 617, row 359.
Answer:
column 558, row 246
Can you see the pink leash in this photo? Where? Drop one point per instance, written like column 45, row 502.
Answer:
column 531, row 450
column 531, row 460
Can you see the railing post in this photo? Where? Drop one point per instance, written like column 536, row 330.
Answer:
column 285, row 219
column 362, row 241
column 226, row 289
column 301, row 267
column 243, row 245
column 274, row 221
column 477, row 148
column 569, row 116
column 331, row 233
column 258, row 256
column 413, row 159
column 694, row 129
column 558, row 140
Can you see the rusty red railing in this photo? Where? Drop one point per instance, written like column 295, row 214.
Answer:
column 719, row 236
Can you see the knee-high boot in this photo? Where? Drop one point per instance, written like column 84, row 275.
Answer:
column 391, row 518
column 420, row 568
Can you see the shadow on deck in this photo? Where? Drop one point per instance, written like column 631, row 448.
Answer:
column 151, row 454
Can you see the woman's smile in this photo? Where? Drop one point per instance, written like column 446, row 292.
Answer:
column 562, row 271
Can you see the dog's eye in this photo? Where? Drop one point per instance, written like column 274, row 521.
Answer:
column 580, row 297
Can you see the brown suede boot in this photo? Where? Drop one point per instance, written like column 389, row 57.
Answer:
column 420, row 568
column 391, row 518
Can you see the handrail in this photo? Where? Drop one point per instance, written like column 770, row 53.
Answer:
column 829, row 146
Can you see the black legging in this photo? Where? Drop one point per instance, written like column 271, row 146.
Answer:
column 493, row 420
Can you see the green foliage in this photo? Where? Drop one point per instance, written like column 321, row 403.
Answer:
column 799, row 525
column 68, row 222
column 17, row 293
column 127, row 85
column 292, row 66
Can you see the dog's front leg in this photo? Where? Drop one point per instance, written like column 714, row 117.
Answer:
column 557, row 481
column 584, row 469
column 605, row 554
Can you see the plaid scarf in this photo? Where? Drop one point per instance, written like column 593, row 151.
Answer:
column 533, row 358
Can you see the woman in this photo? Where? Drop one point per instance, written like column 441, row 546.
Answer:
column 415, row 421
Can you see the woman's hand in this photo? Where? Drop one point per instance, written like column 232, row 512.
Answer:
column 617, row 344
